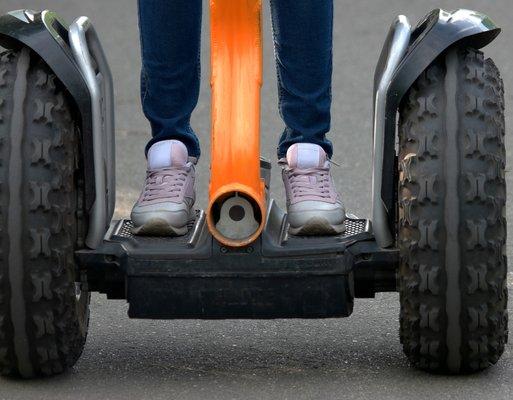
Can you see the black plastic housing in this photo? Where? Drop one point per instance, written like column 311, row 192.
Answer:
column 278, row 276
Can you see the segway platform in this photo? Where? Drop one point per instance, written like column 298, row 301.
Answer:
column 194, row 276
column 438, row 232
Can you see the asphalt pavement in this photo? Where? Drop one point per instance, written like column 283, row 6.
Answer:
column 355, row 358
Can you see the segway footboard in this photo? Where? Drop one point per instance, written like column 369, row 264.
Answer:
column 278, row 276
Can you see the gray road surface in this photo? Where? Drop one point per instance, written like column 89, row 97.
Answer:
column 355, row 358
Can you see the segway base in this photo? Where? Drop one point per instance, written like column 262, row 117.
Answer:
column 193, row 276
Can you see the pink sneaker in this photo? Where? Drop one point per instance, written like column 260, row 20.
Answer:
column 313, row 205
column 165, row 205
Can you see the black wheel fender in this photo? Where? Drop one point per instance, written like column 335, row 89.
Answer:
column 436, row 33
column 46, row 34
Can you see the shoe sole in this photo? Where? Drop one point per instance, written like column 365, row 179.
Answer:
column 317, row 227
column 159, row 227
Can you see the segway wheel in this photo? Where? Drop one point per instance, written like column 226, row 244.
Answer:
column 452, row 226
column 44, row 307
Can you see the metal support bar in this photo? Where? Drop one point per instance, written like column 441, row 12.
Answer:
column 398, row 40
column 89, row 55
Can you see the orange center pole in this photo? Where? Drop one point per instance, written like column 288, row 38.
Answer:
column 236, row 57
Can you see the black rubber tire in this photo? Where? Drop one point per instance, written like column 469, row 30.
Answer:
column 44, row 309
column 452, row 226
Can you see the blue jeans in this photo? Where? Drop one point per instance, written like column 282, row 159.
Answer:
column 170, row 40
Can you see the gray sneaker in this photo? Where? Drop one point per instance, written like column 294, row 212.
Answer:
column 165, row 205
column 313, row 205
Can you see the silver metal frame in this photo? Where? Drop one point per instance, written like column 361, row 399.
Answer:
column 401, row 29
column 89, row 55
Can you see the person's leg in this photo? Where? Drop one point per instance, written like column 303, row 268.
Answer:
column 303, row 38
column 170, row 41
column 170, row 33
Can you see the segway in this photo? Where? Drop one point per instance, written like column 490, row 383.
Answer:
column 437, row 233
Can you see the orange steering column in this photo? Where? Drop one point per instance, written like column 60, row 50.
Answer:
column 236, row 58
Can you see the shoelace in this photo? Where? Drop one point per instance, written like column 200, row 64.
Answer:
column 165, row 183
column 301, row 185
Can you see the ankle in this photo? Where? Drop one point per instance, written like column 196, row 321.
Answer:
column 167, row 153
